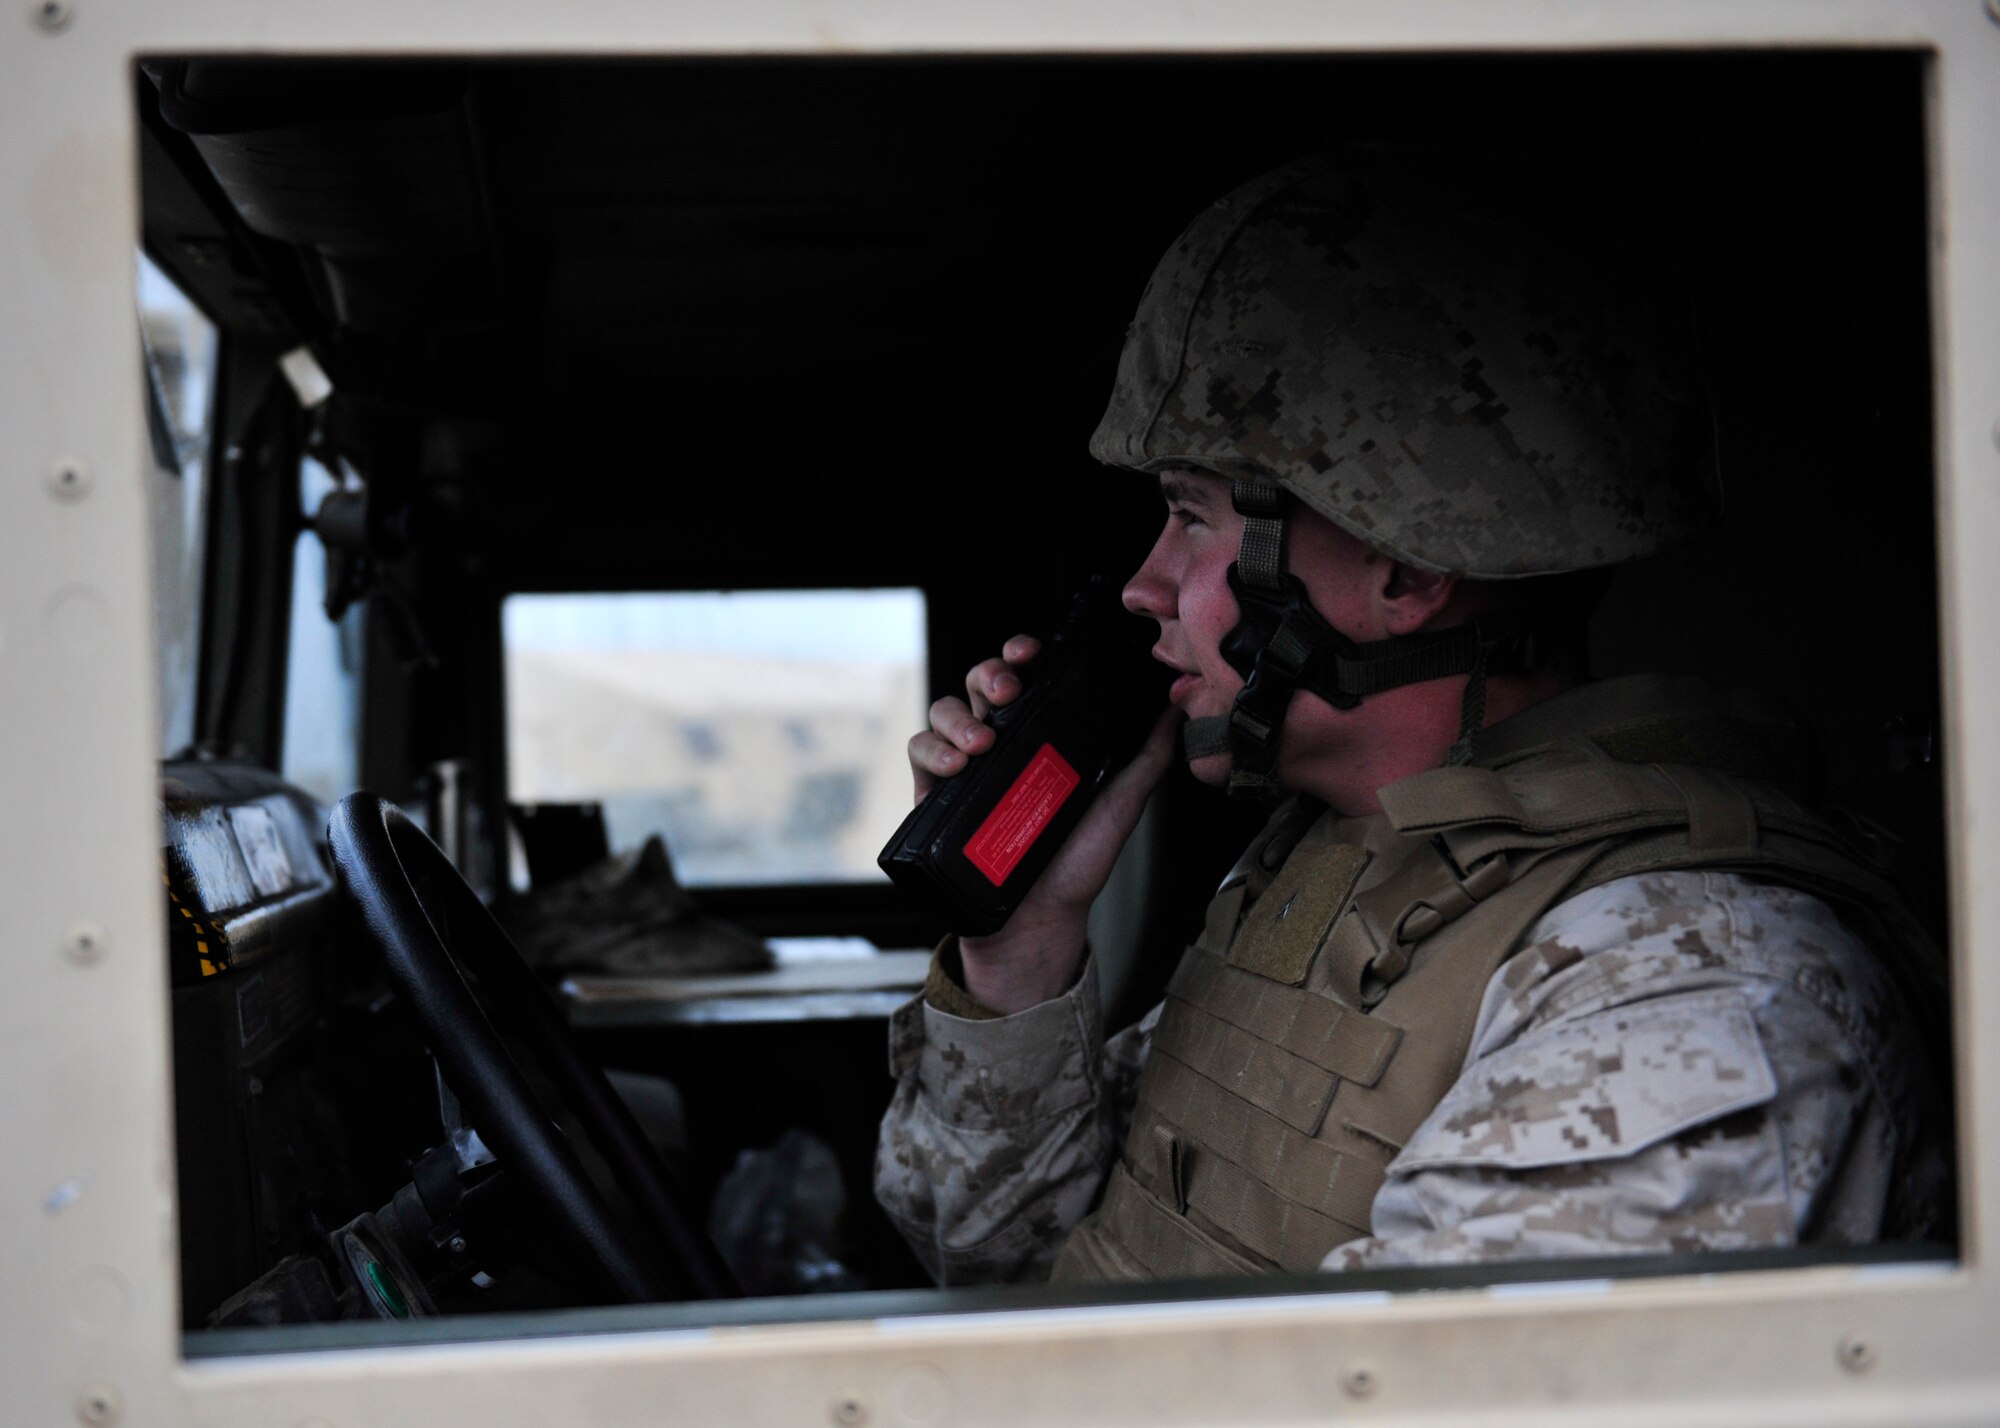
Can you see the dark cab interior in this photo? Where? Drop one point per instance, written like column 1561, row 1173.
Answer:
column 673, row 325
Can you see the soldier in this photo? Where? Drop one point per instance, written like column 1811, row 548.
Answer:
column 1523, row 964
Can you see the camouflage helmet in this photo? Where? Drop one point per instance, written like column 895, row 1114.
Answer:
column 1477, row 367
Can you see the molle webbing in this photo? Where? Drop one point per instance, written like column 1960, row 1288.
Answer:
column 1290, row 1088
column 1222, row 1147
column 1315, row 1133
column 1340, row 1041
column 1269, row 1112
column 1154, row 1241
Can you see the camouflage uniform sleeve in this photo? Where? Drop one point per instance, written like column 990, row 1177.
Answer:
column 1002, row 1129
column 1674, row 1061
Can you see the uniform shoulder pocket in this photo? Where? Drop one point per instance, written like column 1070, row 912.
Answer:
column 1605, row 1086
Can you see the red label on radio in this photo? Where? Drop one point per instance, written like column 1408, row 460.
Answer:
column 1021, row 815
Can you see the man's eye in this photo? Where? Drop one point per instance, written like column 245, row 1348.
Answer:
column 1183, row 515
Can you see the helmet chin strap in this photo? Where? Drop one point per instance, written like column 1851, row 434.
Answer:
column 1281, row 645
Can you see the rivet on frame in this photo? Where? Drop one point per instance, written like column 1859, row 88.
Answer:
column 85, row 943
column 69, row 479
column 100, row 1405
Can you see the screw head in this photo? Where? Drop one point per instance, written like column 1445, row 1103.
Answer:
column 1359, row 1381
column 69, row 477
column 457, row 1245
column 1855, row 1354
column 85, row 944
column 100, row 1405
column 848, row 1412
column 51, row 15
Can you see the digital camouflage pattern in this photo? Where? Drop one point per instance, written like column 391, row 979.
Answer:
column 1673, row 1061
column 1001, row 1131
column 1408, row 345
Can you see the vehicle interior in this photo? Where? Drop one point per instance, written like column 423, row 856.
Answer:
column 603, row 463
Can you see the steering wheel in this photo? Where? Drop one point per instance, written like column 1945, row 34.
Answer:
column 506, row 1051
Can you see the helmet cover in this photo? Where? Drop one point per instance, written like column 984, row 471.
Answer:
column 1476, row 366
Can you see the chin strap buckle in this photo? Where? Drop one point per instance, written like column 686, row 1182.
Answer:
column 1276, row 647
column 1277, row 634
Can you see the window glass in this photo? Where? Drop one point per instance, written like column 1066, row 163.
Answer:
column 323, row 666
column 180, row 348
column 760, row 732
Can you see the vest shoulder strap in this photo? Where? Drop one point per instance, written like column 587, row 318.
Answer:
column 1576, row 795
column 1657, row 817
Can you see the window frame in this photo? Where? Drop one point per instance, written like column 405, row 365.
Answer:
column 90, row 1200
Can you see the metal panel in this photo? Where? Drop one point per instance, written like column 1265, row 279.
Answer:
column 86, row 1211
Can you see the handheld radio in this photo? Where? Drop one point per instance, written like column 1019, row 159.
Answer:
column 972, row 849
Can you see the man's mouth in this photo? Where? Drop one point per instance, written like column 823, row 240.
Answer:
column 1184, row 681
column 1182, row 687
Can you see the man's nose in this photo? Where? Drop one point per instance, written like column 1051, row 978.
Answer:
column 1149, row 591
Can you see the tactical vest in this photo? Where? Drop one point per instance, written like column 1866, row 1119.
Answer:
column 1329, row 1002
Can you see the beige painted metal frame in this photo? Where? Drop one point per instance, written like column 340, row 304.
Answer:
column 87, row 1214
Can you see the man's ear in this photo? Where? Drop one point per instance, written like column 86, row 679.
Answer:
column 1412, row 598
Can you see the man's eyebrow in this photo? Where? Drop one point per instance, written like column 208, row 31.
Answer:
column 1181, row 491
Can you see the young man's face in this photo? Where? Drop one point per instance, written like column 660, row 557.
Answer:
column 1184, row 585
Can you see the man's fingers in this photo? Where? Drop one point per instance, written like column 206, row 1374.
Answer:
column 991, row 684
column 958, row 726
column 941, row 750
column 932, row 757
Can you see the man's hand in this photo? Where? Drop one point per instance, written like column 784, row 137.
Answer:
column 1034, row 957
